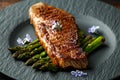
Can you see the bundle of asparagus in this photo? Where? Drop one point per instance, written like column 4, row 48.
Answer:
column 34, row 54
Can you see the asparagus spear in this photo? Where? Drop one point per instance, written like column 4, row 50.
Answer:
column 24, row 56
column 27, row 55
column 88, row 42
column 81, row 36
column 35, row 41
column 16, row 54
column 88, row 37
column 25, row 49
column 48, row 66
column 21, row 49
column 35, row 58
column 31, row 47
column 14, row 49
column 95, row 44
column 37, row 50
column 40, row 62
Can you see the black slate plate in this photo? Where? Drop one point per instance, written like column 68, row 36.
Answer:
column 104, row 63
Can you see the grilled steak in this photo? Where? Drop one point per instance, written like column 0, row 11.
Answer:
column 57, row 32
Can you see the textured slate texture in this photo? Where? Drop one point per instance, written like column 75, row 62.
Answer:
column 11, row 16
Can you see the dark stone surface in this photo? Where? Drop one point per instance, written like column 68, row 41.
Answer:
column 12, row 16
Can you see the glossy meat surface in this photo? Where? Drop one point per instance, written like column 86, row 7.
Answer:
column 60, row 44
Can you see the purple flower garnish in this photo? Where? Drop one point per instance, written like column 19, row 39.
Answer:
column 78, row 73
column 93, row 29
column 53, row 22
column 56, row 25
column 26, row 40
column 20, row 41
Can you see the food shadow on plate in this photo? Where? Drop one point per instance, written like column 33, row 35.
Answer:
column 92, row 63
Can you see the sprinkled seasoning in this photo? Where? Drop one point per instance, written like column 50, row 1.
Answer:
column 57, row 25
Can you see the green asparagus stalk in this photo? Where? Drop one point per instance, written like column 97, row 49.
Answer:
column 23, row 50
column 95, row 44
column 35, row 58
column 27, row 55
column 48, row 66
column 34, row 42
column 81, row 36
column 14, row 49
column 88, row 37
column 40, row 62
column 88, row 42
column 31, row 47
column 24, row 56
column 36, row 50
column 16, row 54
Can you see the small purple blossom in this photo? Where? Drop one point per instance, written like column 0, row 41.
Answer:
column 78, row 73
column 53, row 22
column 56, row 25
column 26, row 40
column 93, row 29
column 20, row 41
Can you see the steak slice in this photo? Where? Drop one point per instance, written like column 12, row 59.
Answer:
column 57, row 32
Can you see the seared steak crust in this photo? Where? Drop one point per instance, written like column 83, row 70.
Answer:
column 61, row 45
